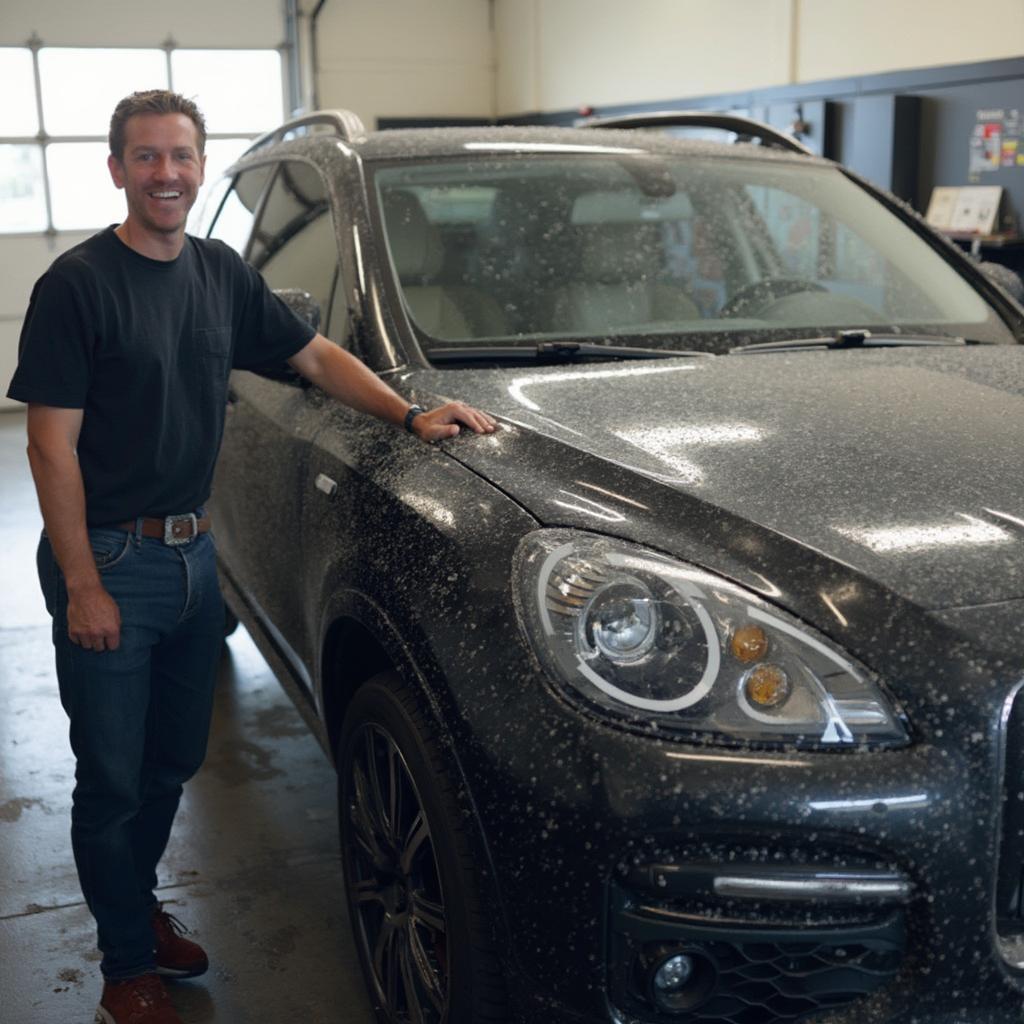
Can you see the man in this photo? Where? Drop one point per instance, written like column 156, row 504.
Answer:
column 123, row 361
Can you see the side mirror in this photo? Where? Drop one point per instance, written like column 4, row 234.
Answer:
column 302, row 304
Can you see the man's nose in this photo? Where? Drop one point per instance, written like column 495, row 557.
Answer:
column 164, row 167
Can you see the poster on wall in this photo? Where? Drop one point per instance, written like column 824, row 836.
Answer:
column 997, row 141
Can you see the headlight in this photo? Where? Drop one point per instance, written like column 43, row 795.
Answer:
column 654, row 640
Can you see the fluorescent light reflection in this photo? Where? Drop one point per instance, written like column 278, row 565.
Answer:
column 517, row 388
column 969, row 532
column 544, row 147
column 665, row 443
column 917, row 800
column 590, row 508
column 612, row 494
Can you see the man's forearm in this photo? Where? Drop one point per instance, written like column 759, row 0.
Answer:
column 61, row 493
column 349, row 380
column 344, row 377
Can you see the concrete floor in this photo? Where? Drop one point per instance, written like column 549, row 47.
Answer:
column 252, row 868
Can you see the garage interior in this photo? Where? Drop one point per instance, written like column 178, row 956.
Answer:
column 900, row 90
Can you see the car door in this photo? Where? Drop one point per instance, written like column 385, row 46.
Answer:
column 273, row 416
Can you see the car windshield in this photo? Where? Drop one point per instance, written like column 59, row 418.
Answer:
column 675, row 251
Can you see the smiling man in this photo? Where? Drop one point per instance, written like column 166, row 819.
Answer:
column 123, row 361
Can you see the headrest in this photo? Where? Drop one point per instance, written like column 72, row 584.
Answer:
column 415, row 243
column 611, row 253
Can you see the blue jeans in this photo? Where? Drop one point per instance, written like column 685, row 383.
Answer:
column 140, row 717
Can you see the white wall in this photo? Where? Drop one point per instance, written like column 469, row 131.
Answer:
column 561, row 54
column 246, row 23
column 557, row 54
column 838, row 38
column 411, row 58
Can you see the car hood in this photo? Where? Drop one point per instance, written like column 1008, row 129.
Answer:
column 904, row 465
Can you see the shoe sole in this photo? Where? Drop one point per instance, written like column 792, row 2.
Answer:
column 102, row 1017
column 174, row 973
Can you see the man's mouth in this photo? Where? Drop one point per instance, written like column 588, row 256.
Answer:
column 168, row 195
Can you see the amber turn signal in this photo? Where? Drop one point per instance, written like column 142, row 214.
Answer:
column 767, row 686
column 749, row 643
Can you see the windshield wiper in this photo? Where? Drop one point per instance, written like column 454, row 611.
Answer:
column 856, row 339
column 553, row 351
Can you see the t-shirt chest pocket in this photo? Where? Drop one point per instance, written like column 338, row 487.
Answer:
column 209, row 352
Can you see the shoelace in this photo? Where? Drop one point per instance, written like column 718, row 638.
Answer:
column 171, row 922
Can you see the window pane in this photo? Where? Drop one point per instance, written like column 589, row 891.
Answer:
column 82, row 87
column 17, row 86
column 82, row 194
column 296, row 228
column 237, row 90
column 220, row 155
column 22, row 203
column 235, row 218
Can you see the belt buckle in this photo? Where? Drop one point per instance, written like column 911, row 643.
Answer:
column 170, row 522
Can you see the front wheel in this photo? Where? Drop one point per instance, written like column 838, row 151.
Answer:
column 413, row 889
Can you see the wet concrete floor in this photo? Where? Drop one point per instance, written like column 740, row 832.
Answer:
column 252, row 868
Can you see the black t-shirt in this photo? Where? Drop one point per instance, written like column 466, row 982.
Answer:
column 144, row 347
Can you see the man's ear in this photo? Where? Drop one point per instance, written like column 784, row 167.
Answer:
column 202, row 169
column 116, row 169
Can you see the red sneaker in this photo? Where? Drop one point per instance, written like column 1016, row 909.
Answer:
column 176, row 957
column 141, row 1000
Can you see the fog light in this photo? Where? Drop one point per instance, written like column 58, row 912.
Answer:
column 672, row 976
column 679, row 980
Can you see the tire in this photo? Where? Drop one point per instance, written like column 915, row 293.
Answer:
column 412, row 886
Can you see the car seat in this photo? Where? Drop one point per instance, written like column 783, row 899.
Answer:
column 450, row 311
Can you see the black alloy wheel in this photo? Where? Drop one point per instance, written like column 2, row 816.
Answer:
column 411, row 886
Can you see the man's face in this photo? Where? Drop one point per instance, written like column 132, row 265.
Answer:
column 161, row 170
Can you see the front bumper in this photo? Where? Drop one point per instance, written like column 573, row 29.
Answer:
column 615, row 851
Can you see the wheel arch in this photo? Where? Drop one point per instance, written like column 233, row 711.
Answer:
column 359, row 642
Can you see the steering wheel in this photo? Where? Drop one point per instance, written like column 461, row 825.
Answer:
column 757, row 294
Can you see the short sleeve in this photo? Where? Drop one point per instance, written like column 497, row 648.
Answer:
column 57, row 345
column 270, row 332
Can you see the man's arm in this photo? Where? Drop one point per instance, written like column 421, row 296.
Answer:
column 94, row 620
column 344, row 377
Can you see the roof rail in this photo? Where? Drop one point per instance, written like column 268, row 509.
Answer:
column 744, row 127
column 344, row 123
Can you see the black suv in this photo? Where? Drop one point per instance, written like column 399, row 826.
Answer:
column 690, row 695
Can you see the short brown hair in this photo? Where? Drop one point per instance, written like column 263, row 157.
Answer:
column 153, row 101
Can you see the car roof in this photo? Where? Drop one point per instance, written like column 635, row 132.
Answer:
column 438, row 142
column 433, row 143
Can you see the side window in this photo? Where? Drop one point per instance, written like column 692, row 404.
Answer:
column 294, row 245
column 234, row 221
column 211, row 206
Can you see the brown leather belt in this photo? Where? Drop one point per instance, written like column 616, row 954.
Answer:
column 172, row 529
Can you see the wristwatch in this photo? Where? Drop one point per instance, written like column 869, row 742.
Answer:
column 410, row 414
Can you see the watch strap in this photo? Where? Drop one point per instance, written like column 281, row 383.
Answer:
column 410, row 414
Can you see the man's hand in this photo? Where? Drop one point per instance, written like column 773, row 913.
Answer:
column 444, row 421
column 94, row 620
